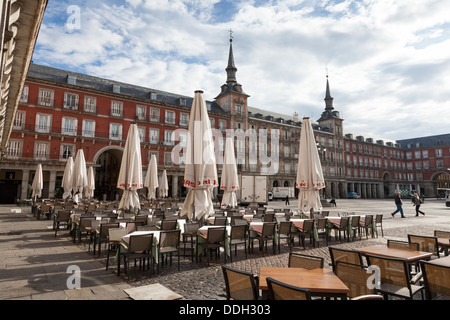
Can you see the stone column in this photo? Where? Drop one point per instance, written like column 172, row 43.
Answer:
column 25, row 177
column 174, row 186
column 51, row 185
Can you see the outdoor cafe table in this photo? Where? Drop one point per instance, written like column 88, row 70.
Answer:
column 126, row 239
column 443, row 261
column 298, row 224
column 445, row 243
column 203, row 231
column 335, row 222
column 321, row 282
column 385, row 251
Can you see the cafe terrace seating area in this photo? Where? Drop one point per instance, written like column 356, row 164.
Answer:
column 157, row 236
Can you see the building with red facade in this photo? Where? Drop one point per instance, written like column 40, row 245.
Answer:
column 62, row 111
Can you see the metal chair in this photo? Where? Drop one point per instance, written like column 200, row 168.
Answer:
column 238, row 235
column 240, row 285
column 345, row 255
column 282, row 291
column 62, row 218
column 284, row 232
column 169, row 242
column 436, row 279
column 139, row 247
column 298, row 260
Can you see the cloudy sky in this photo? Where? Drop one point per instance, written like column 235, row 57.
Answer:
column 388, row 61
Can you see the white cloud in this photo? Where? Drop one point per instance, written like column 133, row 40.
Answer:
column 387, row 60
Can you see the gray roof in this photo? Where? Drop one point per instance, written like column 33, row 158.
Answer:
column 425, row 142
column 51, row 74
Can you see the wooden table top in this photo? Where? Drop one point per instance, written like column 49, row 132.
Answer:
column 316, row 280
column 442, row 261
column 444, row 242
column 385, row 251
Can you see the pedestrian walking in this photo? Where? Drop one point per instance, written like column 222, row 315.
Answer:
column 417, row 203
column 287, row 200
column 398, row 203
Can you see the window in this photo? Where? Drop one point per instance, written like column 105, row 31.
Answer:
column 154, row 136
column 156, row 153
column 45, row 97
column 88, row 128
column 417, row 154
column 116, row 108
column 24, row 95
column 168, row 137
column 19, row 120
column 238, row 109
column 168, row 159
column 425, row 154
column 213, row 123
column 440, row 164
column 67, row 150
column 41, row 150
column 184, row 119
column 222, row 125
column 438, row 152
column 182, row 102
column 154, row 114
column 140, row 112
column 115, row 131
column 153, row 95
column 90, row 104
column 14, row 149
column 69, row 126
column 70, row 101
column 141, row 131
column 43, row 122
column 418, row 165
column 426, row 165
column 170, row 117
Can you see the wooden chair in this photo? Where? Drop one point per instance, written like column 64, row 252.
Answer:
column 368, row 225
column 114, row 239
column 62, row 218
column 345, row 255
column 356, row 278
column 298, row 260
column 284, row 232
column 169, row 242
column 426, row 244
column 343, row 227
column 240, row 285
column 238, row 235
column 436, row 279
column 102, row 235
column 395, row 279
column 442, row 234
column 403, row 245
column 220, row 221
column 139, row 247
column 214, row 241
column 282, row 291
column 168, row 224
column 355, row 226
column 307, row 230
column 268, row 234
column 189, row 236
column 379, row 224
column 322, row 230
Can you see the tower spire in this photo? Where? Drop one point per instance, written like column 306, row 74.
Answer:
column 231, row 68
column 328, row 98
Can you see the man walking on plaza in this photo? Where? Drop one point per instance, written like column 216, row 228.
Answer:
column 398, row 203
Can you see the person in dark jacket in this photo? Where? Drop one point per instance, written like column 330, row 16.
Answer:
column 287, row 200
column 417, row 203
column 398, row 203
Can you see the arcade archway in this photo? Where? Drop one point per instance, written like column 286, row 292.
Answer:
column 107, row 166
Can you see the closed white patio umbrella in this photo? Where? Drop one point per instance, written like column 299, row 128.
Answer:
column 200, row 175
column 309, row 175
column 79, row 177
column 38, row 183
column 130, row 174
column 91, row 183
column 67, row 179
column 151, row 178
column 164, row 187
column 230, row 181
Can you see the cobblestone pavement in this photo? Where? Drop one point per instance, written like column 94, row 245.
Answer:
column 35, row 262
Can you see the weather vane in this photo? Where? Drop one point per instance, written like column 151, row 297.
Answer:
column 231, row 34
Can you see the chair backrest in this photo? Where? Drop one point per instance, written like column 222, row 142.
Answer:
column 368, row 220
column 403, row 245
column 169, row 238
column 298, row 260
column 325, row 213
column 345, row 255
column 86, row 222
column 355, row 221
column 146, row 228
column 104, row 229
column 285, row 227
column 378, row 219
column 436, row 279
column 392, row 270
column 268, row 216
column 321, row 223
column 308, row 225
column 216, row 235
column 344, row 222
column 238, row 231
column 45, row 208
column 191, row 227
column 240, row 285
column 442, row 234
column 268, row 229
column 168, row 224
column 116, row 234
column 355, row 277
column 63, row 215
column 141, row 242
column 220, row 221
column 282, row 291
column 426, row 243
